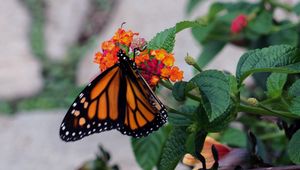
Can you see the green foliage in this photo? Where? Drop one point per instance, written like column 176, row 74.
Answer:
column 166, row 38
column 278, row 58
column 297, row 8
column 180, row 89
column 214, row 87
column 234, row 137
column 217, row 98
column 178, row 119
column 209, row 51
column 262, row 23
column 147, row 150
column 294, row 92
column 294, row 149
column 174, row 149
column 275, row 84
column 284, row 36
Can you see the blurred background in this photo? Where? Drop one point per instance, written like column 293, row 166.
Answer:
column 46, row 58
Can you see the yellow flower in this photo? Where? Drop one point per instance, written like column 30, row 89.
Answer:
column 159, row 54
column 169, row 60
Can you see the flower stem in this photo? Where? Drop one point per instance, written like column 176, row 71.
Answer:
column 266, row 112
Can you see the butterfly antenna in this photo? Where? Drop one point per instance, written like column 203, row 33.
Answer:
column 123, row 23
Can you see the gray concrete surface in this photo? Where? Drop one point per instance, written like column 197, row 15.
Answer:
column 20, row 72
column 30, row 141
column 64, row 21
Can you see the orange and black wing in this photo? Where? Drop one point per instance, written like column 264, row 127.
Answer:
column 119, row 98
column 97, row 107
column 144, row 112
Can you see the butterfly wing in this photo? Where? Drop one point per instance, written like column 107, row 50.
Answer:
column 96, row 108
column 119, row 98
column 144, row 112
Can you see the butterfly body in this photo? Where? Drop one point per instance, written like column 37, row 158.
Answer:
column 119, row 98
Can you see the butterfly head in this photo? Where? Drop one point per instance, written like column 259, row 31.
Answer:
column 122, row 56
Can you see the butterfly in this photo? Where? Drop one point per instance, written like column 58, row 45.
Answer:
column 119, row 98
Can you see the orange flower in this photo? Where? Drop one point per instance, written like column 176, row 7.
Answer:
column 108, row 45
column 159, row 54
column 110, row 60
column 165, row 72
column 105, row 60
column 176, row 74
column 222, row 150
column 124, row 37
column 141, row 58
column 98, row 57
column 169, row 60
column 154, row 80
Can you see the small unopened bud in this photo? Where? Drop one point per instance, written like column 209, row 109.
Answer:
column 189, row 60
column 252, row 101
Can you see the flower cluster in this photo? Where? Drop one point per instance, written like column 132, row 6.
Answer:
column 108, row 56
column 154, row 64
column 239, row 23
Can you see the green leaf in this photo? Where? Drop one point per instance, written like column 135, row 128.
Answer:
column 215, row 91
column 233, row 85
column 147, row 150
column 189, row 24
column 223, row 121
column 296, row 8
column 176, row 119
column 178, row 90
column 275, row 84
column 294, row 149
column 262, row 24
column 284, row 36
column 201, row 34
column 181, row 88
column 191, row 5
column 234, row 137
column 217, row 124
column 209, row 51
column 294, row 90
column 214, row 9
column 164, row 39
column 278, row 58
column 174, row 149
column 295, row 106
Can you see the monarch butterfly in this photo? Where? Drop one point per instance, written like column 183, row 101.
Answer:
column 119, row 98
